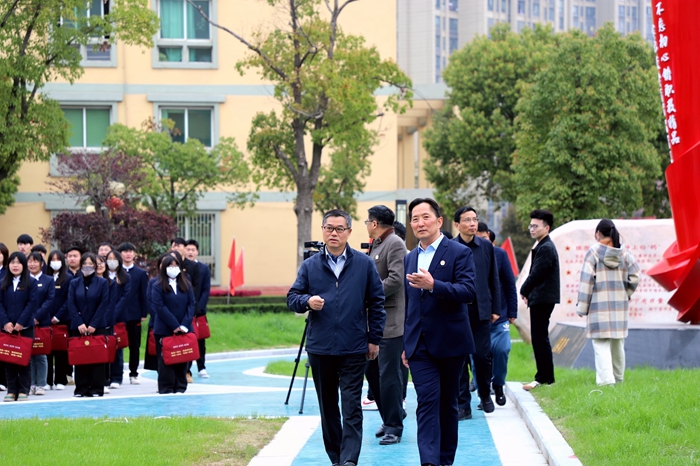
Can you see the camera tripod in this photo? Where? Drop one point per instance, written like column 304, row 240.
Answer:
column 294, row 373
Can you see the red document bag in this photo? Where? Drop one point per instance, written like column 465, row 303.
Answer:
column 121, row 334
column 88, row 350
column 180, row 348
column 42, row 341
column 16, row 349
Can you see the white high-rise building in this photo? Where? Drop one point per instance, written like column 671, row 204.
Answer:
column 429, row 31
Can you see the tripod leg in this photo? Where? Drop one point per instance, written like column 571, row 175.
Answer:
column 296, row 361
column 303, row 392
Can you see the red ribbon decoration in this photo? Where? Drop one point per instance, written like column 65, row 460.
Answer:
column 676, row 42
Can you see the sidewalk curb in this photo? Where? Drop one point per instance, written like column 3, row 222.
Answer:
column 555, row 449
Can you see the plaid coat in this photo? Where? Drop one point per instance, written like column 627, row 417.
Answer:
column 608, row 279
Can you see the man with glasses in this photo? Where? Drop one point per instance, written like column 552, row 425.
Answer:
column 486, row 308
column 342, row 291
column 384, row 373
column 540, row 292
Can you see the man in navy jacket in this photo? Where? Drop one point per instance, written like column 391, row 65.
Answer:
column 136, row 307
column 484, row 310
column 342, row 291
column 191, row 253
column 437, row 337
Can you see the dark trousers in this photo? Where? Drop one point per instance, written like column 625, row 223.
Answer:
column 330, row 373
column 385, row 381
column 133, row 330
column 539, row 332
column 483, row 365
column 3, row 379
column 404, row 378
column 62, row 368
column 90, row 378
column 116, row 369
column 171, row 378
column 437, row 388
column 19, row 378
column 202, row 354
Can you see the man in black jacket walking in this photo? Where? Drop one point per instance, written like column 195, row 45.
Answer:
column 541, row 292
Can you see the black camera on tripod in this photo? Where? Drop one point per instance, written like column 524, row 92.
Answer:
column 311, row 248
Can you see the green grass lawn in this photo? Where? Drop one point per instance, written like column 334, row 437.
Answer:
column 143, row 441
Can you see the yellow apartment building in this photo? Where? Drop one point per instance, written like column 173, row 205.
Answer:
column 189, row 76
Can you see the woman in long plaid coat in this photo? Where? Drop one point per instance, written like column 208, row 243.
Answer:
column 609, row 276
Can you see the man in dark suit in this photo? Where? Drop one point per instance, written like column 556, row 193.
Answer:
column 437, row 337
column 136, row 309
column 484, row 310
column 540, row 292
column 192, row 252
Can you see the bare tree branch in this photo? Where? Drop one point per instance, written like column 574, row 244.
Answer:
column 7, row 15
column 309, row 116
column 250, row 46
column 287, row 162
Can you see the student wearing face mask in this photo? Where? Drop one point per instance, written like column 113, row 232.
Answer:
column 17, row 306
column 59, row 315
column 88, row 300
column 150, row 362
column 4, row 259
column 101, row 271
column 122, row 290
column 174, row 304
column 44, row 297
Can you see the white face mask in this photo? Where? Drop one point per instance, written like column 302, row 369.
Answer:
column 56, row 265
column 172, row 272
column 112, row 264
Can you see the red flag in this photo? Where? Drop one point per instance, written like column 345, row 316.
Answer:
column 237, row 278
column 231, row 267
column 507, row 246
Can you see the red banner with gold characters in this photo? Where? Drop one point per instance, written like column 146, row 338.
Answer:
column 676, row 25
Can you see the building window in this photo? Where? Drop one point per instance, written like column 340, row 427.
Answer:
column 203, row 227
column 88, row 126
column 521, row 25
column 536, row 9
column 590, row 20
column 437, row 69
column 650, row 34
column 489, row 5
column 438, row 40
column 454, row 5
column 437, row 24
column 190, row 122
column 635, row 21
column 98, row 51
column 521, row 7
column 437, row 4
column 504, row 6
column 185, row 36
column 454, row 34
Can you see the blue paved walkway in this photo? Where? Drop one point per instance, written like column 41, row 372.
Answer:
column 231, row 392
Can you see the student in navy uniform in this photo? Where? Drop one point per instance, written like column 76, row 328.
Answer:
column 173, row 301
column 101, row 271
column 88, row 299
column 24, row 244
column 41, row 250
column 45, row 295
column 150, row 362
column 192, row 252
column 59, row 315
column 73, row 255
column 4, row 256
column 121, row 279
column 17, row 306
column 104, row 248
column 136, row 309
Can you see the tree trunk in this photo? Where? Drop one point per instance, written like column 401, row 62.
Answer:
column 304, row 208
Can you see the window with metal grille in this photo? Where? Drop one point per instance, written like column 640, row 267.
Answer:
column 203, row 227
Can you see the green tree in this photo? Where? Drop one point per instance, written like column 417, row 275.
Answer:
column 587, row 129
column 324, row 81
column 39, row 42
column 512, row 227
column 178, row 174
column 472, row 139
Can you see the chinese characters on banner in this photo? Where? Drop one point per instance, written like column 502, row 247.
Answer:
column 645, row 239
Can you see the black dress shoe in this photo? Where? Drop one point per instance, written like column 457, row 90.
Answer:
column 488, row 406
column 390, row 439
column 500, row 397
column 380, row 432
column 464, row 414
column 349, row 463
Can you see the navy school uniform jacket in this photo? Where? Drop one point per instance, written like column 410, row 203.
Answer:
column 18, row 306
column 353, row 313
column 149, row 300
column 121, row 295
column 59, row 305
column 45, row 292
column 172, row 310
column 441, row 318
column 205, row 287
column 88, row 306
column 136, row 305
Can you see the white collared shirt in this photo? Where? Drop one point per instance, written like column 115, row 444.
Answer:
column 112, row 275
column 425, row 256
column 173, row 284
column 37, row 276
column 15, row 283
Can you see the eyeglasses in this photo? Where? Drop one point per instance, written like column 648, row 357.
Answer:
column 330, row 229
column 471, row 220
column 367, row 222
column 533, row 227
